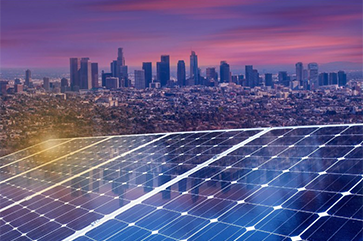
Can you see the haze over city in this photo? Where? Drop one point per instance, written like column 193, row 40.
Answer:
column 266, row 33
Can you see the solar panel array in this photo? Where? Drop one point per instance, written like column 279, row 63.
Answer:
column 285, row 183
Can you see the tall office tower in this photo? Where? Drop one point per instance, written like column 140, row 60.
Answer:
column 211, row 74
column 64, row 85
column 75, row 66
column 147, row 67
column 313, row 75
column 268, row 80
column 256, row 78
column 299, row 72
column 194, row 70
column 333, row 78
column 112, row 83
column 140, row 82
column 249, row 75
column 181, row 75
column 120, row 57
column 104, row 76
column 323, row 79
column 241, row 78
column 85, row 76
column 18, row 88
column 342, row 78
column 46, row 83
column 284, row 78
column 17, row 81
column 94, row 73
column 114, row 68
column 163, row 70
column 305, row 74
column 224, row 72
column 28, row 77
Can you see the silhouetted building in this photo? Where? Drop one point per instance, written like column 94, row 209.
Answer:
column 323, row 79
column 46, row 84
column 64, row 85
column 75, row 66
column 140, row 79
column 147, row 67
column 112, row 83
column 299, row 72
column 313, row 75
column 94, row 67
column 284, row 79
column 163, row 70
column 333, row 78
column 211, row 74
column 249, row 76
column 104, row 76
column 268, row 80
column 342, row 78
column 194, row 70
column 17, row 81
column 4, row 86
column 119, row 69
column 28, row 77
column 181, row 75
column 224, row 72
column 85, row 74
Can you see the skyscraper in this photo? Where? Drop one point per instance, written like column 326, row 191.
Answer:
column 181, row 76
column 94, row 67
column 75, row 66
column 46, row 83
column 147, row 67
column 256, row 78
column 119, row 69
column 299, row 72
column 342, row 78
column 211, row 74
column 284, row 78
column 313, row 75
column 268, row 80
column 194, row 70
column 28, row 77
column 323, row 79
column 333, row 78
column 249, row 75
column 140, row 79
column 163, row 70
column 85, row 74
column 224, row 72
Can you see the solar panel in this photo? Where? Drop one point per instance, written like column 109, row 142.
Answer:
column 283, row 183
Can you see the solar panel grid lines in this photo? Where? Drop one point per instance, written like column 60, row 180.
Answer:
column 310, row 173
column 164, row 186
column 115, row 141
column 123, row 154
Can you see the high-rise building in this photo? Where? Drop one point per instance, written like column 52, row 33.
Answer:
column 299, row 72
column 333, row 78
column 181, row 75
column 323, row 79
column 94, row 70
column 75, row 66
column 28, row 77
column 342, row 78
column 18, row 88
column 268, row 80
column 64, row 85
column 119, row 69
column 256, row 78
column 313, row 75
column 104, row 76
column 249, row 76
column 163, row 70
column 17, row 81
column 224, row 72
column 211, row 74
column 85, row 74
column 147, row 67
column 284, row 79
column 46, row 84
column 140, row 79
column 112, row 83
column 194, row 70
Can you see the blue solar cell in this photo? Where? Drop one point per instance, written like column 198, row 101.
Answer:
column 130, row 233
column 333, row 182
column 218, row 231
column 258, row 235
column 350, row 206
column 157, row 219
column 107, row 230
column 271, row 196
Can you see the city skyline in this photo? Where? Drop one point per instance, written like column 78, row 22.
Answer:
column 239, row 32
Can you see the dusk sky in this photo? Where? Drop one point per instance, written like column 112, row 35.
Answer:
column 46, row 33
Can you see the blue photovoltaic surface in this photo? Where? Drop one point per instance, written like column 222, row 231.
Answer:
column 290, row 183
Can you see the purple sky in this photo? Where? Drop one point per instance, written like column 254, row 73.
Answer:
column 46, row 33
